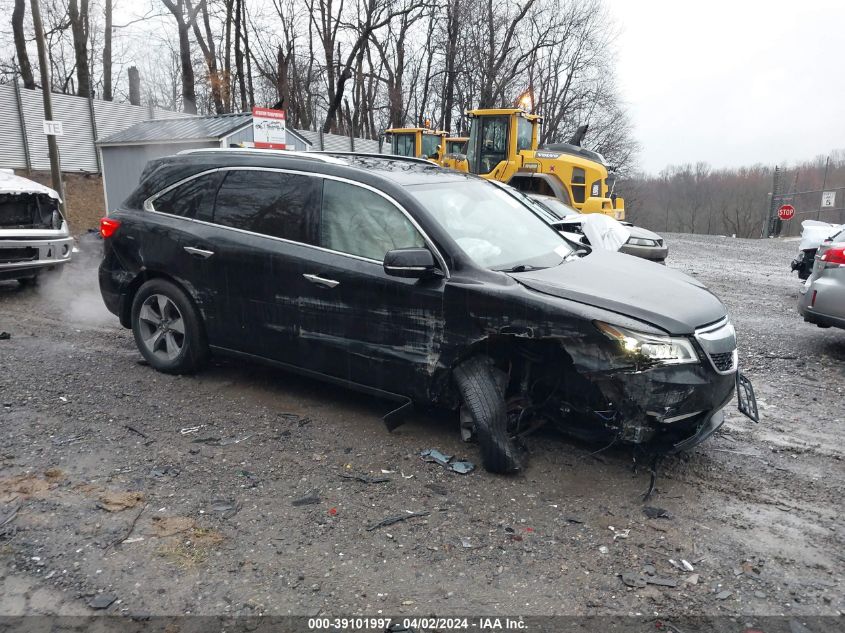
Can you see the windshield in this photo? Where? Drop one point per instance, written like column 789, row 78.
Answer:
column 403, row 144
column 493, row 228
column 560, row 209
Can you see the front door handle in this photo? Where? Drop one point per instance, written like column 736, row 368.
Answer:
column 320, row 281
column 199, row 252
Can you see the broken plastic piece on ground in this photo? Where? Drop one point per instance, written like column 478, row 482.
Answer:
column 461, row 467
column 656, row 513
column 310, row 498
column 102, row 600
column 436, row 456
column 191, row 429
column 396, row 519
column 365, row 479
column 394, row 419
column 5, row 336
column 724, row 595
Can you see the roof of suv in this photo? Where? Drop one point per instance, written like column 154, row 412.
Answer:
column 400, row 169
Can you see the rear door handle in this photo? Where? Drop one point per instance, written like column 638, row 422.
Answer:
column 320, row 281
column 199, row 252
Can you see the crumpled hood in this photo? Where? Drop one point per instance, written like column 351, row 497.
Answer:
column 631, row 286
column 638, row 231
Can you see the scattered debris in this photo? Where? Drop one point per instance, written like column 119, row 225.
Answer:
column 365, row 479
column 633, row 580
column 462, row 467
column 603, row 549
column 438, row 489
column 165, row 471
column 71, row 439
column 656, row 513
column 233, row 440
column 662, row 582
column 687, row 565
column 102, row 601
column 650, row 570
column 128, row 533
column 312, row 497
column 724, row 595
column 396, row 519
column 134, row 430
column 620, row 533
column 466, row 542
column 432, row 455
column 5, row 336
column 119, row 501
column 575, row 520
column 332, row 512
column 692, row 579
column 191, row 429
column 228, row 507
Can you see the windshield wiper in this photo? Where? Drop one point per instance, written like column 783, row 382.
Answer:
column 520, row 268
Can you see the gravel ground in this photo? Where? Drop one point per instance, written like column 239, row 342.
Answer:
column 226, row 493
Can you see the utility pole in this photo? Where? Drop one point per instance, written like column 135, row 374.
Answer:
column 824, row 184
column 52, row 145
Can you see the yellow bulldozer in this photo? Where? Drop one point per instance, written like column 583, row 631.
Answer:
column 503, row 145
column 418, row 142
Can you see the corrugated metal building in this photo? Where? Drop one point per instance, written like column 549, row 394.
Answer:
column 125, row 153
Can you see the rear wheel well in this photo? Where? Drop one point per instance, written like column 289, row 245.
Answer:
column 143, row 277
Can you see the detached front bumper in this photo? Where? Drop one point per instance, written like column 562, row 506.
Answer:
column 21, row 257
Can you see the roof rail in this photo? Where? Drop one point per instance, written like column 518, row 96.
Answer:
column 282, row 153
column 409, row 159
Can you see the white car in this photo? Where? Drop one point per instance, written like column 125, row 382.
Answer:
column 638, row 241
column 34, row 236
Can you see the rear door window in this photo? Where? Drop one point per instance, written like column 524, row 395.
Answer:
column 192, row 199
column 267, row 202
column 360, row 222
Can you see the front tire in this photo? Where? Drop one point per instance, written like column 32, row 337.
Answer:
column 484, row 400
column 167, row 328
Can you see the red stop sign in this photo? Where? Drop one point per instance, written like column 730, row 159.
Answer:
column 786, row 211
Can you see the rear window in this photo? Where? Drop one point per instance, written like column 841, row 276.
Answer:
column 266, row 202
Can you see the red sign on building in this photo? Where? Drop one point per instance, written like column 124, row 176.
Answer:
column 268, row 128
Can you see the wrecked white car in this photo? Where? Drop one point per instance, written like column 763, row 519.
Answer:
column 813, row 233
column 34, row 236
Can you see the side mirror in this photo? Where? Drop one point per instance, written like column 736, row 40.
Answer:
column 413, row 263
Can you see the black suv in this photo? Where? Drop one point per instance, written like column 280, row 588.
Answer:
column 406, row 280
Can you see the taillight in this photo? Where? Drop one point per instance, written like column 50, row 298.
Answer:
column 835, row 255
column 108, row 226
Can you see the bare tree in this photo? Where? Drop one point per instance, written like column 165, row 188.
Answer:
column 20, row 44
column 78, row 16
column 185, row 19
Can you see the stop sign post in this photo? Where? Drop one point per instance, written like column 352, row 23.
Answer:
column 786, row 212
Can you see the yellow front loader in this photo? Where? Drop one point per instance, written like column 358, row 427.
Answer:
column 503, row 145
column 418, row 142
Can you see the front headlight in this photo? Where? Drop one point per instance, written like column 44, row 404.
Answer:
column 641, row 241
column 663, row 350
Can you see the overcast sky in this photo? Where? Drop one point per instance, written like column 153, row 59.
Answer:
column 732, row 82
